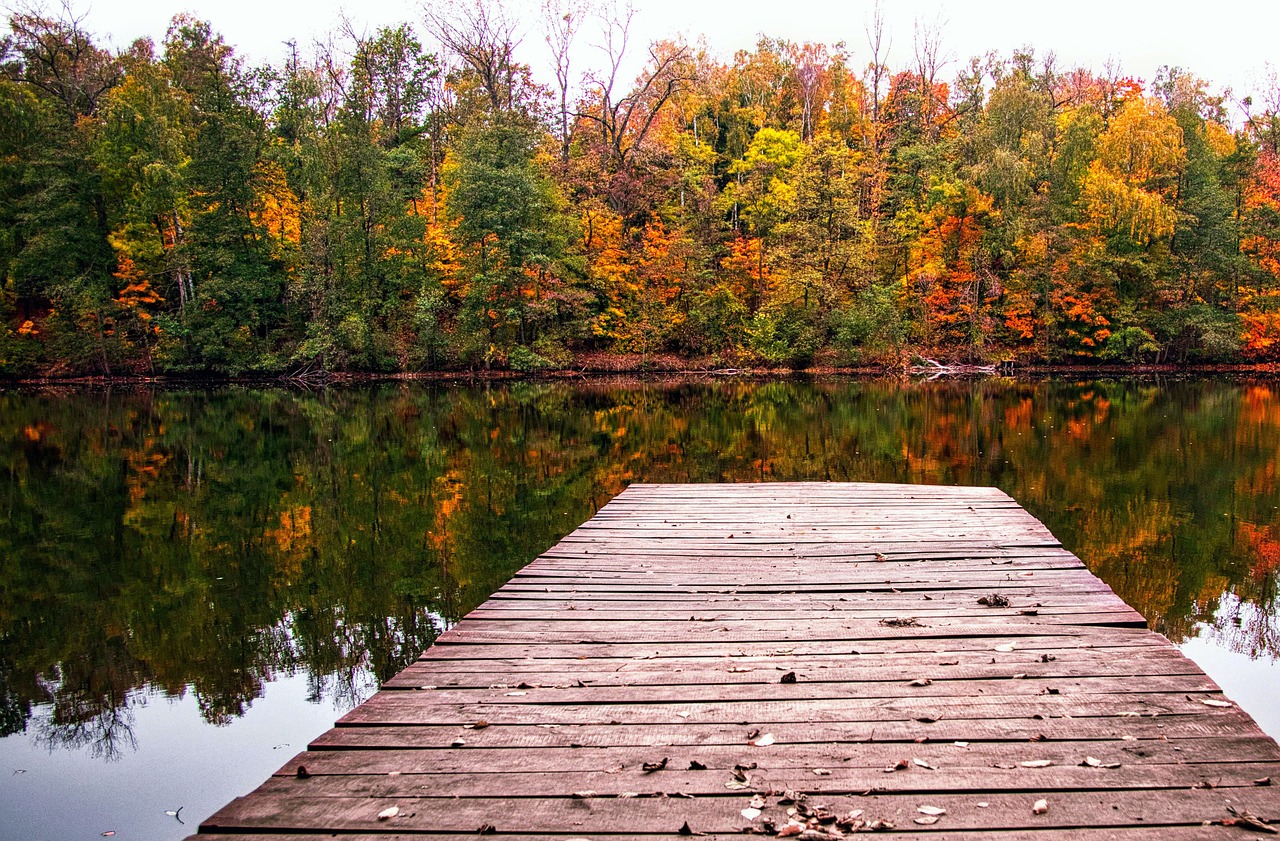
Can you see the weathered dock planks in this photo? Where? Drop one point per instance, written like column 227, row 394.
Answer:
column 815, row 654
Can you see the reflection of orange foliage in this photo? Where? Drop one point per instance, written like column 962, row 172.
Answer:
column 447, row 503
column 1257, row 424
column 1018, row 417
column 1264, row 544
column 292, row 539
column 144, row 468
column 1078, row 428
column 294, row 532
column 1259, row 405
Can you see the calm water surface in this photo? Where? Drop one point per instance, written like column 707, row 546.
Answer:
column 195, row 584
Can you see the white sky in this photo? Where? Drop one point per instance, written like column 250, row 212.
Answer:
column 1231, row 43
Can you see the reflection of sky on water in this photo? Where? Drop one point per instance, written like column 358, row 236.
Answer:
column 52, row 795
column 1231, row 654
column 161, row 755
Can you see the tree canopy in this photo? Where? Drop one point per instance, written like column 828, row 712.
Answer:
column 417, row 198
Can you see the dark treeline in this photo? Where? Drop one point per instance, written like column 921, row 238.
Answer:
column 402, row 202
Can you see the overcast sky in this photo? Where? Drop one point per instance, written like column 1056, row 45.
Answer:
column 1231, row 43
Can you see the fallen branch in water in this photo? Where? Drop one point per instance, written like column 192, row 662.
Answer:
column 936, row 369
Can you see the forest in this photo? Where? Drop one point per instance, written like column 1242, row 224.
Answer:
column 415, row 198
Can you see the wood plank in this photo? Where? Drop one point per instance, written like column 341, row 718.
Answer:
column 398, row 707
column 666, row 815
column 1163, row 833
column 1193, row 752
column 676, row 732
column 1004, row 775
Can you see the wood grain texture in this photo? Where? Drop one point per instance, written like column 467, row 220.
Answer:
column 694, row 646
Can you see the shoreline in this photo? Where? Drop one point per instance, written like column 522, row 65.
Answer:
column 641, row 369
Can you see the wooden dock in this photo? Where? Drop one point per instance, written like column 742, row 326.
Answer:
column 795, row 660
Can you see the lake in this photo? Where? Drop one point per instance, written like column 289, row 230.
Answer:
column 198, row 582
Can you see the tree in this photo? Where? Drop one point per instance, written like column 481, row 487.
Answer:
column 235, row 289
column 505, row 213
column 483, row 37
column 62, row 262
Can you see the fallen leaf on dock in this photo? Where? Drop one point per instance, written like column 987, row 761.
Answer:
column 924, row 764
column 822, row 772
column 695, row 765
column 1092, row 762
column 585, row 795
column 650, row 767
column 932, row 811
column 388, row 813
column 1037, row 763
column 1005, row 648
column 762, row 741
column 920, row 681
column 926, row 820
column 1211, row 702
column 1248, row 821
column 900, row 765
column 1040, row 807
column 789, row 677
column 750, row 814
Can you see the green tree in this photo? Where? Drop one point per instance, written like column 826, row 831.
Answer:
column 506, row 213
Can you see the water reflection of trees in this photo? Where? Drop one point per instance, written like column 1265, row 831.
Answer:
column 1245, row 627
column 207, row 542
